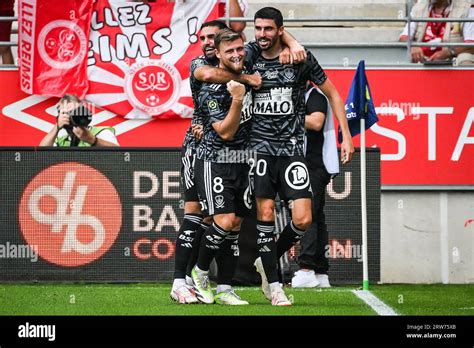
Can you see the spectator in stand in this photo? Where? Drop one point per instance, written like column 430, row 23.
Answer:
column 6, row 10
column 441, row 31
column 238, row 8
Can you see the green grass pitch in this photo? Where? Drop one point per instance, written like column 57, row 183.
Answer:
column 153, row 299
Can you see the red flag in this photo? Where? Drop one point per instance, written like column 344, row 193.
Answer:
column 138, row 62
column 53, row 45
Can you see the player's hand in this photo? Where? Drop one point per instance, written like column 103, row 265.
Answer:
column 198, row 131
column 285, row 56
column 347, row 150
column 63, row 120
column 298, row 53
column 254, row 80
column 417, row 55
column 84, row 134
column 236, row 90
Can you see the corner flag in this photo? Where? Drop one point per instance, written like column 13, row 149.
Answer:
column 359, row 103
column 361, row 115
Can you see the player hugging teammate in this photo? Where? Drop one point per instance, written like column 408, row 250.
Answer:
column 270, row 125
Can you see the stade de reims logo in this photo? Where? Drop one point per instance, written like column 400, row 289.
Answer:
column 62, row 44
column 71, row 212
column 153, row 86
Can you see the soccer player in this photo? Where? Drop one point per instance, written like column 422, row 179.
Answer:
column 221, row 164
column 193, row 224
column 277, row 135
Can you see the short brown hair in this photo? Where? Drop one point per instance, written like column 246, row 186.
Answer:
column 227, row 35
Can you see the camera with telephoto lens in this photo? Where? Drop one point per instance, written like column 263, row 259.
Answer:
column 80, row 117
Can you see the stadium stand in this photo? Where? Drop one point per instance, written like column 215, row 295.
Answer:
column 372, row 35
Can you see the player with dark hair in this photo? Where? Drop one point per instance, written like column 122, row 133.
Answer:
column 277, row 135
column 221, row 166
column 204, row 69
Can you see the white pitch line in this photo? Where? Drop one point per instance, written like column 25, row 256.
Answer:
column 375, row 303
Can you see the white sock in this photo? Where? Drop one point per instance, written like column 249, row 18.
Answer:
column 223, row 288
column 178, row 282
column 274, row 286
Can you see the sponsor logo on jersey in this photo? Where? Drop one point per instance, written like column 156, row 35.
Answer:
column 247, row 106
column 296, row 176
column 277, row 102
column 289, row 74
column 270, row 74
column 213, row 107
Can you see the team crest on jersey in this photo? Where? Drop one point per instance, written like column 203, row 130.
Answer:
column 289, row 74
column 213, row 107
column 277, row 102
column 219, row 201
column 296, row 176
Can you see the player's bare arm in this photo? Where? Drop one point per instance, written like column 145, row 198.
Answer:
column 314, row 121
column 230, row 124
column 212, row 74
column 297, row 51
column 337, row 105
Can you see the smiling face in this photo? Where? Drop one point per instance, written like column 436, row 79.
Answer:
column 231, row 55
column 206, row 38
column 267, row 34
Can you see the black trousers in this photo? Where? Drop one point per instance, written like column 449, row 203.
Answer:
column 313, row 245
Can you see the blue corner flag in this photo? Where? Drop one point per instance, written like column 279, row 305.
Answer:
column 359, row 103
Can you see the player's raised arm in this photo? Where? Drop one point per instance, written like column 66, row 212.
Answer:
column 207, row 73
column 230, row 124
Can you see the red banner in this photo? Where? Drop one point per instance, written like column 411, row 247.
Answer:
column 138, row 63
column 135, row 62
column 425, row 132
column 53, row 42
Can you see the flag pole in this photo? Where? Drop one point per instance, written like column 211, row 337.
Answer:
column 363, row 194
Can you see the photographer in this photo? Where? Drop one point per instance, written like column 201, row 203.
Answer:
column 72, row 127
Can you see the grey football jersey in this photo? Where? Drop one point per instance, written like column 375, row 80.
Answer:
column 189, row 139
column 279, row 106
column 214, row 103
